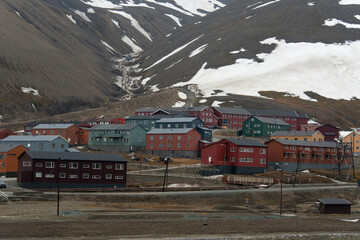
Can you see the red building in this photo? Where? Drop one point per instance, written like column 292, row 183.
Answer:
column 236, row 156
column 69, row 131
column 176, row 142
column 231, row 118
column 301, row 155
column 96, row 121
column 43, row 170
column 83, row 136
column 204, row 113
column 330, row 132
column 5, row 133
column 294, row 119
column 117, row 121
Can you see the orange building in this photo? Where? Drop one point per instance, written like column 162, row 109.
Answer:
column 313, row 136
column 83, row 136
column 9, row 159
column 69, row 131
column 354, row 139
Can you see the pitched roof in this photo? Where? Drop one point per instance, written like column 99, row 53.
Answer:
column 294, row 133
column 246, row 142
column 272, row 121
column 147, row 109
column 113, row 127
column 305, row 143
column 76, row 156
column 273, row 113
column 30, row 138
column 334, row 201
column 228, row 110
column 53, row 126
column 7, row 147
column 173, row 120
column 151, row 117
column 169, row 130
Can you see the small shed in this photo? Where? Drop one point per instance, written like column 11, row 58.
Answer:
column 334, row 206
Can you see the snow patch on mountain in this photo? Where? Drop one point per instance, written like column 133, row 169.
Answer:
column 171, row 6
column 172, row 53
column 108, row 47
column 102, row 4
column 71, row 18
column 265, row 4
column 332, row 22
column 134, row 23
column 135, row 48
column 90, row 10
column 195, row 6
column 198, row 50
column 176, row 19
column 349, row 2
column 82, row 15
column 30, row 90
column 173, row 64
column 332, row 65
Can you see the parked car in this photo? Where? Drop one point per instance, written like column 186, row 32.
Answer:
column 2, row 184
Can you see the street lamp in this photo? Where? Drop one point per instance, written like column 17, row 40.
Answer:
column 281, row 168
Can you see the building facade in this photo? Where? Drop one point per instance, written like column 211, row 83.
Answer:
column 117, row 137
column 330, row 132
column 314, row 136
column 9, row 159
column 148, row 121
column 354, row 139
column 236, row 156
column 45, row 143
column 263, row 127
column 176, row 142
column 69, row 131
column 231, row 118
column 188, row 122
column 302, row 155
column 309, row 126
column 5, row 133
column 44, row 170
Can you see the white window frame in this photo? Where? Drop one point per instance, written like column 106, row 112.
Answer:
column 119, row 166
column 96, row 166
column 73, row 165
column 49, row 164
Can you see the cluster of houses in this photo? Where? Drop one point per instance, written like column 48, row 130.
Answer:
column 43, row 155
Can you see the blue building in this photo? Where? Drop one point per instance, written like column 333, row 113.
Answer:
column 147, row 122
column 185, row 122
column 206, row 133
column 47, row 143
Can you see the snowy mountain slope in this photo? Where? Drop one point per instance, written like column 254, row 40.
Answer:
column 289, row 46
column 67, row 49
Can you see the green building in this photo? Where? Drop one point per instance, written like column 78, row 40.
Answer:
column 263, row 127
column 117, row 137
column 147, row 122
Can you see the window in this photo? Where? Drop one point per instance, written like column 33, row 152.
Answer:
column 232, row 159
column 53, row 145
column 73, row 176
column 49, row 164
column 151, row 138
column 294, row 155
column 292, row 147
column 86, row 166
column 62, row 175
column 49, row 175
column 262, row 161
column 169, row 137
column 161, row 137
column 38, row 175
column 85, row 175
column 232, row 149
column 119, row 177
column 108, row 176
column 63, row 165
column 246, row 160
column 38, row 164
column 151, row 145
column 161, row 145
column 169, row 145
column 108, row 166
column 119, row 166
column 73, row 165
column 246, row 150
column 262, row 151
column 308, row 156
column 179, row 137
column 52, row 131
column 96, row 177
column 179, row 145
column 96, row 165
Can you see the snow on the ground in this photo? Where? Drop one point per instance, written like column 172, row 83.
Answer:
column 350, row 220
column 203, row 101
column 131, row 3
column 265, row 4
column 82, row 15
column 171, row 6
column 135, row 48
column 216, row 103
column 198, row 50
column 204, row 5
column 248, row 17
column 312, row 121
column 173, row 52
column 197, row 22
column 90, row 10
column 168, row 35
column 251, row 5
column 116, row 23
column 349, row 2
column 219, row 39
column 18, row 14
column 71, row 18
column 332, row 22
column 176, row 19
column 155, row 88
column 295, row 73
column 182, row 95
column 173, row 64
column 357, row 17
column 102, row 4
column 145, row 80
column 311, row 4
column 238, row 51
column 30, row 91
column 178, row 104
column 108, row 47
column 133, row 22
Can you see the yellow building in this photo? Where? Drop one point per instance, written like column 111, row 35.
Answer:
column 353, row 138
column 312, row 136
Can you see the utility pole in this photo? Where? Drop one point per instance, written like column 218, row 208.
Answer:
column 166, row 161
column 58, row 186
column 352, row 153
column 281, row 168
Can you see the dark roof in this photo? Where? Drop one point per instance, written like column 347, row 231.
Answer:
column 169, row 130
column 334, row 201
column 151, row 117
column 113, row 127
column 76, row 156
column 302, row 115
column 294, row 133
column 305, row 143
column 273, row 113
column 53, row 126
column 175, row 120
column 272, row 121
column 147, row 109
column 246, row 142
column 192, row 109
column 171, row 111
column 228, row 110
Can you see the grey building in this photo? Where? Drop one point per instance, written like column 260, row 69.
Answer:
column 47, row 143
column 183, row 122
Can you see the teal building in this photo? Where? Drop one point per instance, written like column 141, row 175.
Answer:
column 263, row 127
